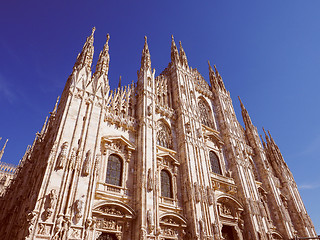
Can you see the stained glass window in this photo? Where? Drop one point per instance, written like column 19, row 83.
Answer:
column 166, row 185
column 114, row 170
column 215, row 164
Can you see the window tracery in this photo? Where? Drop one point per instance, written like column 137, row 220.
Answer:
column 114, row 170
column 215, row 163
column 166, row 184
column 164, row 137
column 205, row 114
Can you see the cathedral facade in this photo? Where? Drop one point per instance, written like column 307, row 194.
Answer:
column 163, row 158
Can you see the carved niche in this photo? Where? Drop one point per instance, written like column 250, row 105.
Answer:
column 164, row 136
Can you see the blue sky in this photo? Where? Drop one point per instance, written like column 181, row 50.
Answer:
column 267, row 52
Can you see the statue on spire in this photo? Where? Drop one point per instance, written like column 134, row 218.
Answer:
column 102, row 67
column 174, row 51
column 145, row 59
column 183, row 56
column 84, row 59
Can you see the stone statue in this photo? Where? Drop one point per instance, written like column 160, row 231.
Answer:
column 86, row 164
column 150, row 180
column 61, row 161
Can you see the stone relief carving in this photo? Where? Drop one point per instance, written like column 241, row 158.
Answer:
column 50, row 203
column 62, row 158
column 110, row 210
column 86, row 164
column 150, row 180
column 164, row 137
column 225, row 210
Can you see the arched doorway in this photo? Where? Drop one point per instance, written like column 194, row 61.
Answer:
column 107, row 236
column 228, row 233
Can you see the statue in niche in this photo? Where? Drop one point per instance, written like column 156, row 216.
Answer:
column 197, row 192
column 150, row 180
column 57, row 228
column 78, row 206
column 150, row 220
column 31, row 221
column 210, row 196
column 86, row 164
column 50, row 203
column 61, row 161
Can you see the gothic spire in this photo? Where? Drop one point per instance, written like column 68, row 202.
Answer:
column 183, row 56
column 102, row 67
column 145, row 58
column 119, row 84
column 212, row 77
column 2, row 151
column 219, row 79
column 174, row 51
column 245, row 115
column 54, row 111
column 84, row 58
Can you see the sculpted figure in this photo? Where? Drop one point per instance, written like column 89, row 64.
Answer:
column 50, row 203
column 150, row 220
column 78, row 205
column 61, row 161
column 86, row 164
column 150, row 180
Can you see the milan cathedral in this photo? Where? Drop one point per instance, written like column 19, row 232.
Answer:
column 164, row 158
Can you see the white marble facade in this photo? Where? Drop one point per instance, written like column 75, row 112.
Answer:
column 163, row 158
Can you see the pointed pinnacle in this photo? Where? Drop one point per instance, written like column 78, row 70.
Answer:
column 241, row 104
column 93, row 30
column 55, row 106
column 108, row 37
column 119, row 85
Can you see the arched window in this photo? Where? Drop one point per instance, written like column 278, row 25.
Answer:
column 114, row 170
column 166, row 184
column 205, row 113
column 215, row 163
column 164, row 138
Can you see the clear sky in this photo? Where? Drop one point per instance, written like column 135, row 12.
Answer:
column 268, row 53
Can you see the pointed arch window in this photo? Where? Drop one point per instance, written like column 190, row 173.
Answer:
column 215, row 163
column 114, row 170
column 166, row 184
column 205, row 113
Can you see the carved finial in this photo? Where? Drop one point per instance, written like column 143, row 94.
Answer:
column 44, row 126
column 174, row 51
column 93, row 30
column 241, row 104
column 55, row 107
column 102, row 67
column 119, row 85
column 84, row 59
column 2, row 151
column 145, row 58
column 215, row 68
